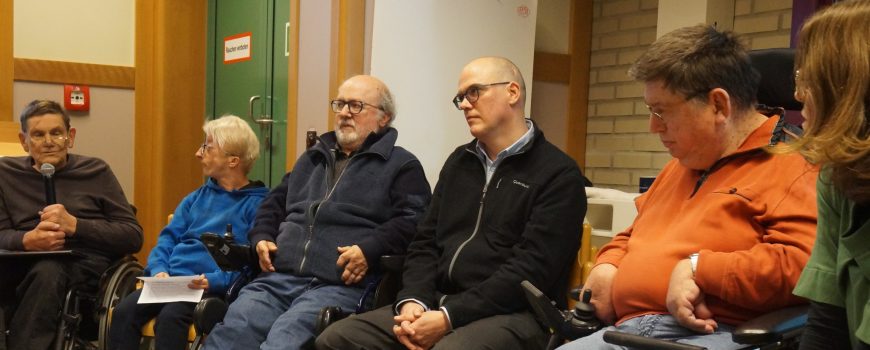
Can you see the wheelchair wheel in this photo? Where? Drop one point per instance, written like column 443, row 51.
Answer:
column 122, row 283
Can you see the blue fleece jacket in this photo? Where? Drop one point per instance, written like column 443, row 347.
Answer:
column 179, row 252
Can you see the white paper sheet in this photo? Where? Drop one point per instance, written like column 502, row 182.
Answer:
column 168, row 289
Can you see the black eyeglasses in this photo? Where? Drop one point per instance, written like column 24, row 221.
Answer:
column 472, row 93
column 353, row 106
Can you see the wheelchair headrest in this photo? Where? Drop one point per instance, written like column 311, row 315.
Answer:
column 776, row 87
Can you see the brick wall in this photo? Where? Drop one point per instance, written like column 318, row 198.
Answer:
column 619, row 147
column 764, row 23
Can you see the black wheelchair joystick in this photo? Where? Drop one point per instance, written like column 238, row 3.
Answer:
column 229, row 236
column 583, row 321
column 573, row 324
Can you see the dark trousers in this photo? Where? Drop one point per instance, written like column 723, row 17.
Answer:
column 32, row 292
column 374, row 330
column 170, row 329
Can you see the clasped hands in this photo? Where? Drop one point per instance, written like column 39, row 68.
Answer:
column 55, row 225
column 418, row 329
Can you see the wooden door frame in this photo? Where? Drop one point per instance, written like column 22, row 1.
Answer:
column 580, row 41
column 6, row 60
column 170, row 105
column 347, row 45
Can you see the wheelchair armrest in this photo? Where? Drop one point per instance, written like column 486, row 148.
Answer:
column 392, row 263
column 544, row 308
column 329, row 315
column 208, row 312
column 641, row 342
column 772, row 326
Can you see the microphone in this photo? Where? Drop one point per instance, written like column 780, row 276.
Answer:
column 47, row 171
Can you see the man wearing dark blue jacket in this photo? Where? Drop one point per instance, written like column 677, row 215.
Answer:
column 351, row 198
column 507, row 207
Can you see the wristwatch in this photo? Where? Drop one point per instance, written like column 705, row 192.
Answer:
column 693, row 259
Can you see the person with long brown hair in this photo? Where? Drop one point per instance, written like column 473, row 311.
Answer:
column 833, row 82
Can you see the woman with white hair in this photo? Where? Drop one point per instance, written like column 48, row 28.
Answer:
column 228, row 197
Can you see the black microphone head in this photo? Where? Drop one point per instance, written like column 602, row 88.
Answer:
column 46, row 169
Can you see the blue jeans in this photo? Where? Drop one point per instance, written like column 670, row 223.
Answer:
column 662, row 326
column 278, row 311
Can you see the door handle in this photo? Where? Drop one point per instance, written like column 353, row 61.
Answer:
column 264, row 121
column 251, row 107
column 287, row 39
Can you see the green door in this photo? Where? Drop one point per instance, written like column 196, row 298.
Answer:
column 247, row 74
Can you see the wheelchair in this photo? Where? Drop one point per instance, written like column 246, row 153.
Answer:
column 231, row 256
column 777, row 329
column 780, row 329
column 85, row 318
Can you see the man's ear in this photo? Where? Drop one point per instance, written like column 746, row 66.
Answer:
column 23, row 139
column 72, row 138
column 514, row 92
column 720, row 100
column 385, row 120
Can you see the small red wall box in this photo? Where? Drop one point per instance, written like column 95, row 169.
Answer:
column 77, row 97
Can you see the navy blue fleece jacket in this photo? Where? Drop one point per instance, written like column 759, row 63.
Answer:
column 374, row 203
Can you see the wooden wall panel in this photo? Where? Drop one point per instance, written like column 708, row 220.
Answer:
column 552, row 67
column 293, row 85
column 6, row 65
column 348, row 45
column 170, row 107
column 578, row 95
column 9, row 131
column 74, row 73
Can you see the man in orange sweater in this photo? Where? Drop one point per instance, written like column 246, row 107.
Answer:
column 726, row 228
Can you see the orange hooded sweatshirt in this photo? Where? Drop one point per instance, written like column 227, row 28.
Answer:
column 752, row 218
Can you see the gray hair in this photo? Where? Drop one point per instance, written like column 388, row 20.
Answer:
column 235, row 137
column 388, row 104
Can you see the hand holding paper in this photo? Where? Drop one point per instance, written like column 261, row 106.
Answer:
column 170, row 289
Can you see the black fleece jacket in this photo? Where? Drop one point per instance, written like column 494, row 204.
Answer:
column 477, row 242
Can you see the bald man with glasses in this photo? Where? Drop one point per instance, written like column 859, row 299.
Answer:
column 89, row 215
column 351, row 198
column 508, row 207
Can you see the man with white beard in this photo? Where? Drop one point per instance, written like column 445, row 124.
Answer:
column 350, row 198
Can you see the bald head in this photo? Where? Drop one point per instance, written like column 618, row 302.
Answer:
column 377, row 93
column 499, row 69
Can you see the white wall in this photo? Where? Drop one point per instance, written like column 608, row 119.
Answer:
column 419, row 49
column 105, row 132
column 92, row 31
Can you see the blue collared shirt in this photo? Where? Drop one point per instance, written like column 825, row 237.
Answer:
column 490, row 165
